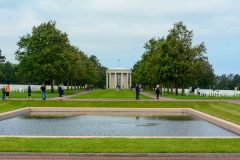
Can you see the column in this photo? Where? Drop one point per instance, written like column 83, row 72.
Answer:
column 127, row 80
column 130, row 83
column 115, row 80
column 122, row 80
column 110, row 79
column 107, row 80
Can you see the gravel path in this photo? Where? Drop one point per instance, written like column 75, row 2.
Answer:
column 70, row 96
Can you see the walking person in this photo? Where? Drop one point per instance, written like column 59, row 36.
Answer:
column 3, row 93
column 7, row 90
column 43, row 88
column 157, row 90
column 29, row 92
column 137, row 88
column 60, row 90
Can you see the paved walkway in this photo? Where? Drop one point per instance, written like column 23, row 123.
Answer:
column 70, row 96
column 72, row 156
column 154, row 97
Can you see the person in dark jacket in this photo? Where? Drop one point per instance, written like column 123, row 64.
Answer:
column 60, row 90
column 157, row 90
column 43, row 88
column 137, row 88
column 7, row 91
column 29, row 92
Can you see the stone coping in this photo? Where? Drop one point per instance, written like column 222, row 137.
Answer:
column 217, row 121
column 14, row 113
column 207, row 155
column 119, row 137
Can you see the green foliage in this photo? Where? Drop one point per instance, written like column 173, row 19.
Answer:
column 229, row 81
column 174, row 61
column 2, row 60
column 8, row 70
column 46, row 55
column 101, row 72
column 41, row 53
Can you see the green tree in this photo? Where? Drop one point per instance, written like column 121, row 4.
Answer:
column 41, row 54
column 100, row 72
column 8, row 71
column 2, row 60
column 174, row 61
column 236, row 81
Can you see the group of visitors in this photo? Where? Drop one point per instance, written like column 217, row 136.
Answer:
column 87, row 87
column 43, row 89
column 5, row 92
column 139, row 87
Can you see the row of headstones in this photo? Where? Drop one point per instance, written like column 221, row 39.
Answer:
column 220, row 93
column 214, row 93
column 210, row 92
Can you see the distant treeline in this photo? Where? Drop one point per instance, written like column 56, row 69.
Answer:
column 230, row 81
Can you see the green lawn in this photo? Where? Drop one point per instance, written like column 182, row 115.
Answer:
column 123, row 145
column 37, row 94
column 112, row 94
column 227, row 111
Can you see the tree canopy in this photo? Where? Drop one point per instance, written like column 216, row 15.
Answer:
column 46, row 55
column 174, row 61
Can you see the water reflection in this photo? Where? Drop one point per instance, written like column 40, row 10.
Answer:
column 172, row 118
column 107, row 125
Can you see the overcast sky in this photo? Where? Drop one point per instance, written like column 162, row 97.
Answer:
column 118, row 29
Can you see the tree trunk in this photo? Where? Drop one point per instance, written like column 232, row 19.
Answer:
column 176, row 87
column 52, row 83
column 67, row 85
column 167, row 87
column 183, row 90
column 171, row 88
column 75, row 86
column 162, row 87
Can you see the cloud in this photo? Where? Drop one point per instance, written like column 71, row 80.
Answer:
column 117, row 27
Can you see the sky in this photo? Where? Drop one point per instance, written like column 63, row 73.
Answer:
column 118, row 29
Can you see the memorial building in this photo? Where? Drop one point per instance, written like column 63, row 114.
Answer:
column 118, row 78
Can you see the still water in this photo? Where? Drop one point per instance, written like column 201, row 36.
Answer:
column 107, row 125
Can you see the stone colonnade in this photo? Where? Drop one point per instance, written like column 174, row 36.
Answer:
column 118, row 77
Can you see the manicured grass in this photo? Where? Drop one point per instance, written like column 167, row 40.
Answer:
column 123, row 145
column 37, row 94
column 111, row 93
column 227, row 111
